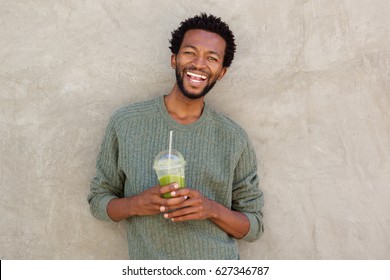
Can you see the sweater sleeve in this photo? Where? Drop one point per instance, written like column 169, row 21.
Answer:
column 247, row 197
column 109, row 180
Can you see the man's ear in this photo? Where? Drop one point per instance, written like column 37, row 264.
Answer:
column 223, row 72
column 173, row 61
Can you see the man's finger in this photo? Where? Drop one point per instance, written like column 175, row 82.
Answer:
column 169, row 188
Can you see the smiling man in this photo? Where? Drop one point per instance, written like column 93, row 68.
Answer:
column 201, row 56
column 222, row 201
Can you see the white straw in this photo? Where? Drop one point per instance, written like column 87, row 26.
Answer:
column 170, row 144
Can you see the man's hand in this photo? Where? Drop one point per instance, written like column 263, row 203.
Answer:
column 149, row 202
column 194, row 206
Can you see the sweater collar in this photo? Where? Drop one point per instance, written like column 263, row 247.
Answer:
column 171, row 122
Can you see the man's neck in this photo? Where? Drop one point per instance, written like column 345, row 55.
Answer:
column 183, row 109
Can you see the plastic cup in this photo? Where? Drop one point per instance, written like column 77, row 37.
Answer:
column 170, row 168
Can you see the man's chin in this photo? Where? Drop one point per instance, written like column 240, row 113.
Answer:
column 196, row 95
column 193, row 96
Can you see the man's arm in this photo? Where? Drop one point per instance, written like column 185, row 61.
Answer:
column 109, row 180
column 232, row 222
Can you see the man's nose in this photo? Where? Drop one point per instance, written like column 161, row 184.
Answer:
column 199, row 61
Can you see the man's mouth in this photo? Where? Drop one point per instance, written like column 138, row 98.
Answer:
column 196, row 78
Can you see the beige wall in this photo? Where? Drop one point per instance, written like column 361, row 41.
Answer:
column 310, row 84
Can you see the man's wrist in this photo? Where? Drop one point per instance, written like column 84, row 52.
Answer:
column 131, row 207
column 216, row 211
column 121, row 208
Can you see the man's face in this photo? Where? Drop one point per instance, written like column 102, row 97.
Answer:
column 199, row 62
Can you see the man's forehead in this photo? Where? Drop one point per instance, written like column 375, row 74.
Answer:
column 199, row 38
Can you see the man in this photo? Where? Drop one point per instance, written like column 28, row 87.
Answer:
column 222, row 202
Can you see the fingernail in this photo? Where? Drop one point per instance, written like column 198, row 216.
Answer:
column 173, row 193
column 176, row 186
column 166, row 216
column 185, row 197
column 162, row 208
column 172, row 219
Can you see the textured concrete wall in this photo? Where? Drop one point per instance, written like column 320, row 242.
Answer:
column 310, row 84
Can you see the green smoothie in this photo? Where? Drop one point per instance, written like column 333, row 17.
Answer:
column 169, row 179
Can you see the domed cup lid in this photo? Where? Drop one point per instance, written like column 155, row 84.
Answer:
column 166, row 160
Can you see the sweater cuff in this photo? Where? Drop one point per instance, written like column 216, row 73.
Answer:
column 255, row 228
column 101, row 211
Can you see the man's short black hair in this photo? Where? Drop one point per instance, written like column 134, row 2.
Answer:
column 209, row 23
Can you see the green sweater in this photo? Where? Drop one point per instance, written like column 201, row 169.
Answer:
column 221, row 164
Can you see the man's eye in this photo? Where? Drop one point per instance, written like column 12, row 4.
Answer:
column 190, row 53
column 212, row 58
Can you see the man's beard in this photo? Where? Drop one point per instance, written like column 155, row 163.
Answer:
column 207, row 88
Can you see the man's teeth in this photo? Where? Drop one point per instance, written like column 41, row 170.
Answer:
column 197, row 75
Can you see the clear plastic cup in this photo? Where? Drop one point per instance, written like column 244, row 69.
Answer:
column 170, row 168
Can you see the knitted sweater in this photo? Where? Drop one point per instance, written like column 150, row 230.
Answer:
column 221, row 164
